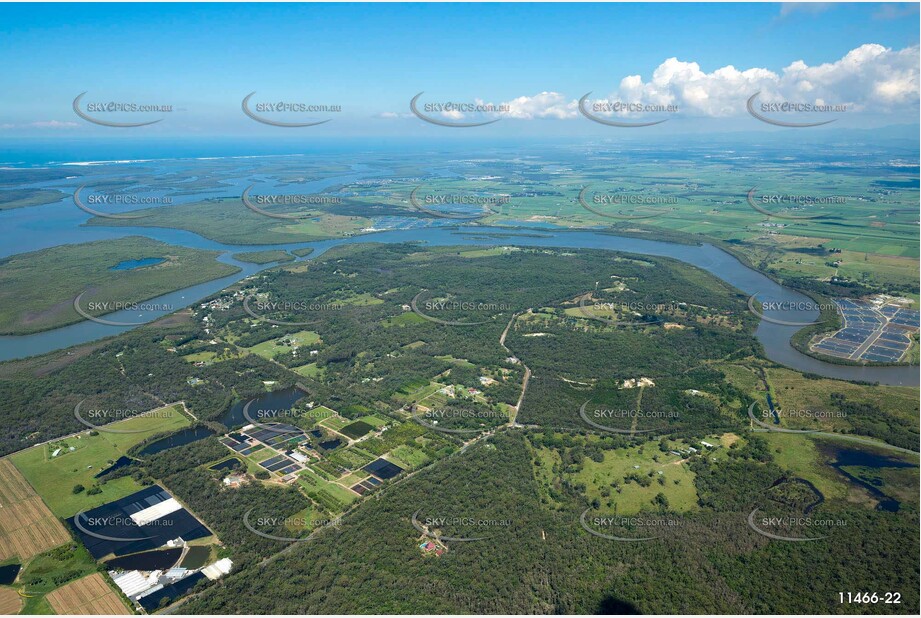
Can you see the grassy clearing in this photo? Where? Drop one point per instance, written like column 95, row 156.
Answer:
column 799, row 455
column 285, row 345
column 407, row 318
column 313, row 483
column 309, row 371
column 408, row 457
column 55, row 477
column 632, row 498
column 334, row 422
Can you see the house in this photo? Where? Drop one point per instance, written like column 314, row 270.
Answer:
column 707, row 444
column 233, row 481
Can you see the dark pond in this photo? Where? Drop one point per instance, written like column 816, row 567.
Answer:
column 331, row 444
column 278, row 401
column 121, row 462
column 233, row 462
column 8, row 573
column 160, row 559
column 180, row 438
column 196, row 557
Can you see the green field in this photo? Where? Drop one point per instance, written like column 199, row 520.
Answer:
column 55, row 478
column 286, row 345
column 309, row 370
column 69, row 270
column 632, row 497
column 335, row 422
column 315, row 484
column 375, row 421
column 408, row 457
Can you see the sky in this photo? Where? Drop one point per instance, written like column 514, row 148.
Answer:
column 531, row 62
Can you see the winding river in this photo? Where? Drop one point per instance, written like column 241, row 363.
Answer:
column 29, row 229
column 774, row 337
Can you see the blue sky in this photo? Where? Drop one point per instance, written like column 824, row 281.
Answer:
column 372, row 58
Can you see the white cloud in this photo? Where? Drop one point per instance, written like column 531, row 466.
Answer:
column 870, row 77
column 543, row 105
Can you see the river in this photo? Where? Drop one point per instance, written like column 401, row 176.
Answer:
column 774, row 337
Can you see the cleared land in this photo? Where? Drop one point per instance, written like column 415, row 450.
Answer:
column 55, row 477
column 90, row 595
column 10, row 603
column 27, row 527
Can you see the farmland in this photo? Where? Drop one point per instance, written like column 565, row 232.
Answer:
column 10, row 602
column 55, row 477
column 90, row 595
column 27, row 527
